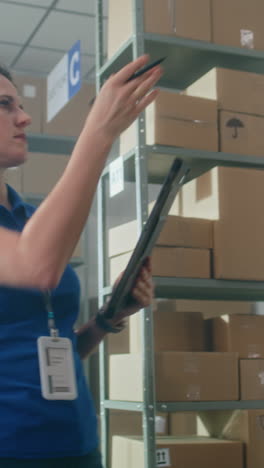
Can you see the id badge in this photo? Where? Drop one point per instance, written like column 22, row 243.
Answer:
column 57, row 374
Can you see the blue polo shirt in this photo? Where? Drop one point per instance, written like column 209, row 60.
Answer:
column 30, row 426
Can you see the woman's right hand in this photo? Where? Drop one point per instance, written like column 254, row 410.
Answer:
column 120, row 102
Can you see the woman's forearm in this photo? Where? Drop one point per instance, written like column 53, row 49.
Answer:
column 88, row 337
column 43, row 249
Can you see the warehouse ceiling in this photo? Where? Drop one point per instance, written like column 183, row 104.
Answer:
column 35, row 34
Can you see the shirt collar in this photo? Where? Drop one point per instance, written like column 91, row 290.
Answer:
column 17, row 203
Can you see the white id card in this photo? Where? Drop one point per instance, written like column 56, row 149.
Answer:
column 56, row 366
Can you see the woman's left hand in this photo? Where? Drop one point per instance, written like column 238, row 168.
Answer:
column 142, row 293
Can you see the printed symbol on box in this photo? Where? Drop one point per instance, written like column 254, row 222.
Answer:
column 163, row 457
column 116, row 176
column 247, row 38
column 235, row 124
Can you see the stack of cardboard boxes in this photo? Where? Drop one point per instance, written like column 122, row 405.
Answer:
column 183, row 248
column 184, row 371
column 223, row 111
column 235, row 23
column 231, row 198
column 243, row 334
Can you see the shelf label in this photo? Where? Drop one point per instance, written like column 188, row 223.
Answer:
column 163, row 457
column 64, row 81
column 116, row 177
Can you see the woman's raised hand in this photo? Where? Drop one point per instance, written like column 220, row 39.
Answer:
column 120, row 101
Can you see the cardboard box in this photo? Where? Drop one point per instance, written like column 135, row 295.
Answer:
column 118, row 343
column 13, row 177
column 31, row 89
column 42, row 171
column 179, row 376
column 177, row 232
column 248, row 427
column 238, row 23
column 234, row 90
column 201, row 452
column 70, row 120
column 169, row 261
column 238, row 246
column 252, row 379
column 177, row 120
column 123, row 422
column 182, row 424
column 208, row 309
column 242, row 334
column 231, row 194
column 173, row 331
column 131, row 423
column 169, row 17
column 241, row 133
column 239, row 256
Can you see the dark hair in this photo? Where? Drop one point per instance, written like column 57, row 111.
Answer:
column 6, row 73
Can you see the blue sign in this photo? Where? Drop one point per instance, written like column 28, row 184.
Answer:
column 74, row 69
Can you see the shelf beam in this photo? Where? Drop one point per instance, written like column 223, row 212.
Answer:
column 187, row 405
column 187, row 59
column 208, row 289
column 160, row 158
column 52, row 144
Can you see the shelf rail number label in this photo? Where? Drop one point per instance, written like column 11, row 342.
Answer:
column 163, row 457
column 116, row 176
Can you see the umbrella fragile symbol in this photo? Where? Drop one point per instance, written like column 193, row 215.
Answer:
column 235, row 124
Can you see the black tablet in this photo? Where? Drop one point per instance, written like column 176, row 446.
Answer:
column 148, row 237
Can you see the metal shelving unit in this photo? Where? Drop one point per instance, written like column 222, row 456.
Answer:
column 187, row 60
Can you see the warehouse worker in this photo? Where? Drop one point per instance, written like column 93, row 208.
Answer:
column 35, row 248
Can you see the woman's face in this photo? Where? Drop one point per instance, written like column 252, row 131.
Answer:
column 13, row 121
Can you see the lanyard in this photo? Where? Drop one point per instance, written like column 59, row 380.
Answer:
column 54, row 332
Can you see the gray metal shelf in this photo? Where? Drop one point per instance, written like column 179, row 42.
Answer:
column 159, row 159
column 188, row 405
column 205, row 289
column 187, row 60
column 209, row 289
column 53, row 144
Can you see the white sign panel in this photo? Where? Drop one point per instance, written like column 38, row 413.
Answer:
column 64, row 81
column 116, row 176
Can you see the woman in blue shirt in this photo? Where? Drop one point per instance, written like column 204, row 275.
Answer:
column 34, row 431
